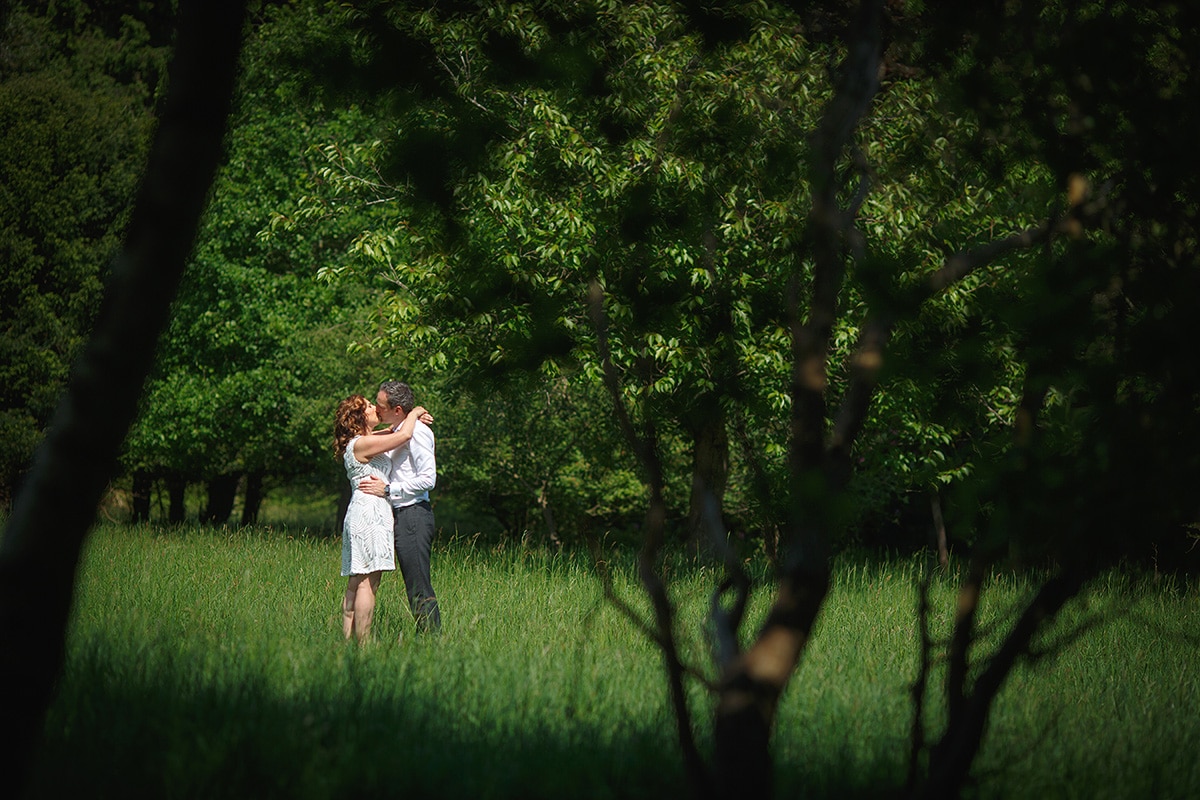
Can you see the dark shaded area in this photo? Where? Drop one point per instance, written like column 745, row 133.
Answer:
column 1109, row 481
column 166, row 737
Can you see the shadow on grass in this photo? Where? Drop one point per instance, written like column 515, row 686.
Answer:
column 163, row 740
column 170, row 736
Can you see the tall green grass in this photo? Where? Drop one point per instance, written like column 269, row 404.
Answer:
column 211, row 664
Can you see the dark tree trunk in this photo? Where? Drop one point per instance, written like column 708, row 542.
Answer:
column 939, row 529
column 176, row 488
column 253, row 499
column 143, row 485
column 710, row 475
column 222, row 491
column 51, row 517
column 548, row 516
column 753, row 684
column 951, row 759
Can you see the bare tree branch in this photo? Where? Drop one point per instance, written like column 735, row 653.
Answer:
column 867, row 360
column 962, row 637
column 645, row 446
column 865, row 364
column 964, row 633
column 1078, row 216
column 916, row 745
column 954, row 753
column 724, row 624
column 828, row 227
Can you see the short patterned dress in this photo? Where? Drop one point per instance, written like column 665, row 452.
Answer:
column 367, row 544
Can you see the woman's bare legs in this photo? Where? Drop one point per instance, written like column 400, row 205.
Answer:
column 358, row 605
column 348, row 605
column 364, row 606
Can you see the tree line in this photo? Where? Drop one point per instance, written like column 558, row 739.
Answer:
column 257, row 352
column 747, row 268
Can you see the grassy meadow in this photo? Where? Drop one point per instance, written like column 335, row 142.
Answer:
column 207, row 664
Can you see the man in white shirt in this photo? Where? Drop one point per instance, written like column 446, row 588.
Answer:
column 414, row 473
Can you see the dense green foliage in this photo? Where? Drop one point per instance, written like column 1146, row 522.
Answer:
column 209, row 664
column 659, row 152
column 962, row 266
column 625, row 148
column 1103, row 318
column 662, row 156
column 255, row 358
column 639, row 121
column 76, row 97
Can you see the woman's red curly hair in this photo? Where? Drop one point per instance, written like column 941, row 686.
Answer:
column 350, row 421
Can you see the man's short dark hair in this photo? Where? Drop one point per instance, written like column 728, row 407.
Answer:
column 398, row 395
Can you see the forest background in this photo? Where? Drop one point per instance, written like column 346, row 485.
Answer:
column 662, row 271
column 313, row 277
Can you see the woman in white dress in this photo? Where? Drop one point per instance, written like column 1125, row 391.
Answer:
column 368, row 549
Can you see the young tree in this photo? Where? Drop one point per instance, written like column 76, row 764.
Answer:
column 628, row 183
column 1105, row 438
column 675, row 200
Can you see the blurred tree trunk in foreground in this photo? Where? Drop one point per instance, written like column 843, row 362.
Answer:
column 54, row 511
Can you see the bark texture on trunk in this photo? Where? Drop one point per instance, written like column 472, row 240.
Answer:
column 939, row 529
column 143, row 486
column 176, row 496
column 754, row 683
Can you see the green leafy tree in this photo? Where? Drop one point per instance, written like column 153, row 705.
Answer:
column 505, row 284
column 642, row 150
column 75, row 123
column 1106, row 435
column 255, row 358
column 574, row 482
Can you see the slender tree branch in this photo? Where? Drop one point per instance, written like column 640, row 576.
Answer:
column 1080, row 213
column 724, row 623
column 960, row 265
column 962, row 637
column 645, row 447
column 1049, row 600
column 920, row 685
column 827, row 231
column 867, row 360
column 1067, row 639
column 865, row 365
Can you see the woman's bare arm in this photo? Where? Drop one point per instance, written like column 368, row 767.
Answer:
column 369, row 446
